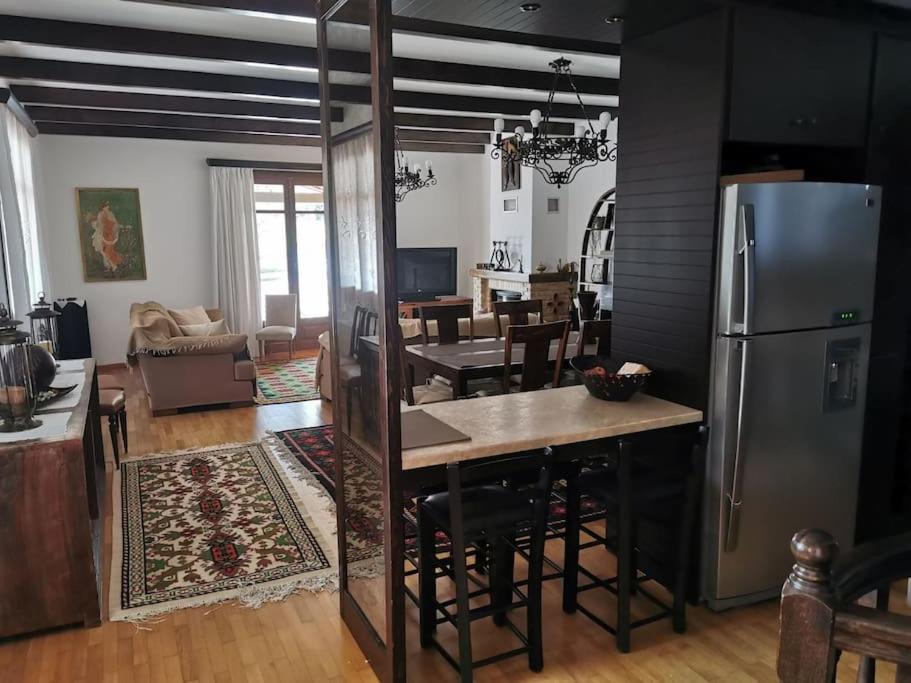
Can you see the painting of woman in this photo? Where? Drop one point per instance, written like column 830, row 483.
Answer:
column 110, row 233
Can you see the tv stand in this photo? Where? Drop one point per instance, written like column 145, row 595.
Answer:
column 410, row 309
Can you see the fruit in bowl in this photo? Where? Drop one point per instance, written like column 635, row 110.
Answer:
column 609, row 379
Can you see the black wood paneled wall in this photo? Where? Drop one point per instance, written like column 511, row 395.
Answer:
column 672, row 95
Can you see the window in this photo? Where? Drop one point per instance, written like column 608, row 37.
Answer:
column 292, row 239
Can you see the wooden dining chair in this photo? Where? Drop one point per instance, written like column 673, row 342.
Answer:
column 517, row 312
column 350, row 374
column 594, row 332
column 447, row 319
column 536, row 357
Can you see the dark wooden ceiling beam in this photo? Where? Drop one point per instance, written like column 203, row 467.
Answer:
column 294, row 8
column 143, row 77
column 40, row 114
column 468, row 123
column 423, row 135
column 490, row 105
column 85, row 36
column 57, row 128
column 158, row 133
column 8, row 98
column 109, row 99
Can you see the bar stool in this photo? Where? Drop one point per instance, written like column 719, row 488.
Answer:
column 636, row 498
column 490, row 514
column 112, row 402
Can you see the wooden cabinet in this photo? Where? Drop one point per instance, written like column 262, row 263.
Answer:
column 52, row 523
column 798, row 79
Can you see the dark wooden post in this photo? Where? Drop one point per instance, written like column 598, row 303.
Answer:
column 806, row 653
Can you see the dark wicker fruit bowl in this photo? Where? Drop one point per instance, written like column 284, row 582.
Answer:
column 609, row 386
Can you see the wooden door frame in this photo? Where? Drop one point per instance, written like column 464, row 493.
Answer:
column 386, row 653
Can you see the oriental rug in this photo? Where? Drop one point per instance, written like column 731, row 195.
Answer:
column 286, row 381
column 209, row 525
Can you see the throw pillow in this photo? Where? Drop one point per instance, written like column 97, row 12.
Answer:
column 210, row 329
column 190, row 316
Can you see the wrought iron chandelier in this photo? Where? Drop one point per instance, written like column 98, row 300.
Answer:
column 557, row 158
column 408, row 179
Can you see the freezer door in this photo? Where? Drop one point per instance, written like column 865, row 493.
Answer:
column 795, row 256
column 785, row 454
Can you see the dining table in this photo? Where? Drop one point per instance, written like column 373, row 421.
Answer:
column 469, row 360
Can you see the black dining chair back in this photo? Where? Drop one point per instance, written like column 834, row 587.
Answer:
column 356, row 325
column 517, row 312
column 594, row 332
column 472, row 512
column 536, row 354
column 447, row 318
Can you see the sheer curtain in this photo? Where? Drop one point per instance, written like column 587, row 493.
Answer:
column 26, row 273
column 236, row 254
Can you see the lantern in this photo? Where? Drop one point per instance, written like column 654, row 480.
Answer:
column 44, row 325
column 18, row 394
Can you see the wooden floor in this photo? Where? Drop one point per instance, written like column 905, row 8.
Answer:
column 303, row 639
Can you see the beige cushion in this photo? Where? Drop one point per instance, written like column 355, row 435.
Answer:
column 189, row 316
column 111, row 401
column 276, row 333
column 281, row 310
column 431, row 393
column 210, row 329
column 349, row 373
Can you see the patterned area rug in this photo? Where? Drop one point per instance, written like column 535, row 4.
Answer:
column 314, row 449
column 286, row 381
column 205, row 526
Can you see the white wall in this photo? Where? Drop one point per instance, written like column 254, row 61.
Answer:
column 515, row 228
column 454, row 213
column 173, row 183
column 548, row 229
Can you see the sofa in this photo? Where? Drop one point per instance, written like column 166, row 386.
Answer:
column 181, row 371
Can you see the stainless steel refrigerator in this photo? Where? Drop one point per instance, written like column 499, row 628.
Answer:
column 795, row 274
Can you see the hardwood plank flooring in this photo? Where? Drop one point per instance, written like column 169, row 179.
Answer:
column 303, row 638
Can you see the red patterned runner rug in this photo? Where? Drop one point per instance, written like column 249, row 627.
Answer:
column 209, row 525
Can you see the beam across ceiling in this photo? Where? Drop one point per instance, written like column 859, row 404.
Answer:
column 85, row 36
column 469, row 123
column 40, row 114
column 109, row 99
column 105, row 74
column 164, row 133
column 8, row 98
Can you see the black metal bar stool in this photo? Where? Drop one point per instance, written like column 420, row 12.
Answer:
column 637, row 499
column 491, row 514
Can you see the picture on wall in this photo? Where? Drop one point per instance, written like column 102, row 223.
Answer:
column 110, row 234
column 511, row 167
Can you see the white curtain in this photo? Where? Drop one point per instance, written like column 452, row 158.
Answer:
column 23, row 241
column 236, row 254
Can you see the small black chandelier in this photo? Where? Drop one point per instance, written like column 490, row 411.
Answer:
column 408, row 179
column 543, row 151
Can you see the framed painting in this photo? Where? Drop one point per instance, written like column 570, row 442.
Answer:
column 510, row 167
column 110, row 234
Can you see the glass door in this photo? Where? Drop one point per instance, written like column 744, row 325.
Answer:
column 360, row 212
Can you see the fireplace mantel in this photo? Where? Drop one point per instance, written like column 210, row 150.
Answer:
column 555, row 289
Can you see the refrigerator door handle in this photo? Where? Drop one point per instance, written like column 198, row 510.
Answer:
column 747, row 249
column 734, row 498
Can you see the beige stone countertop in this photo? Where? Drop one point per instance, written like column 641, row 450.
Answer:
column 512, row 423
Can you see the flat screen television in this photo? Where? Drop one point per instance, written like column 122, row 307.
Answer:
column 425, row 273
